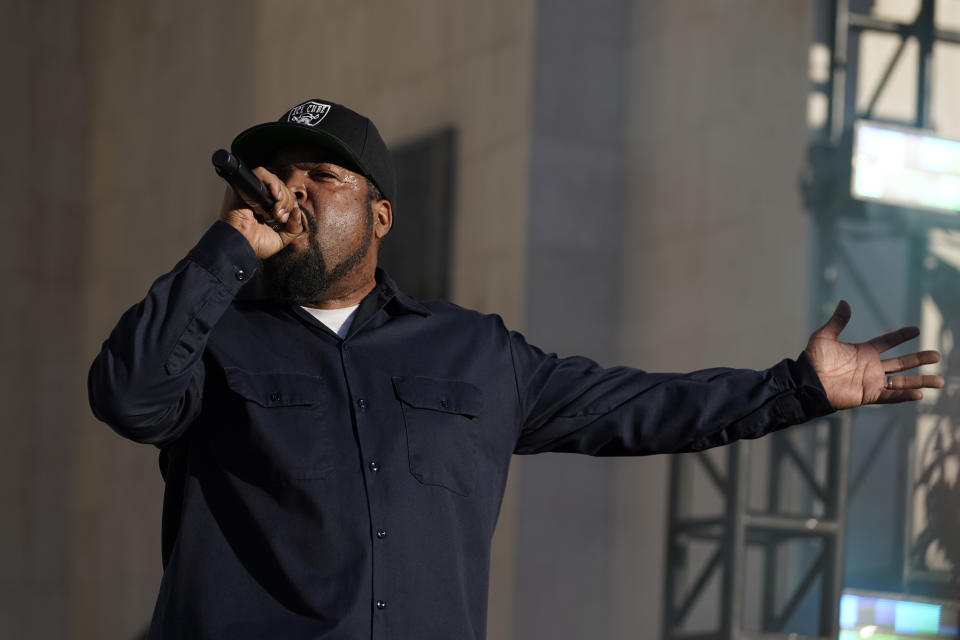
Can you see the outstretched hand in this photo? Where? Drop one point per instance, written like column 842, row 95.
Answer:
column 854, row 374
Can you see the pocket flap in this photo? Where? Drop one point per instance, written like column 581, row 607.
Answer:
column 276, row 389
column 449, row 396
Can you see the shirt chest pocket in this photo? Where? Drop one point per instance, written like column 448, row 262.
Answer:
column 441, row 419
column 280, row 427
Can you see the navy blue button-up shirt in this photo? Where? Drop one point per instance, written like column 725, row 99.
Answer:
column 289, row 454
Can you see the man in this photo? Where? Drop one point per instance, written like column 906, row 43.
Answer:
column 335, row 452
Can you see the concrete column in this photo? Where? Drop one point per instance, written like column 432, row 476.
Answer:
column 564, row 504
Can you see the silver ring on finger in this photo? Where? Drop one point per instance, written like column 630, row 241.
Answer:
column 889, row 382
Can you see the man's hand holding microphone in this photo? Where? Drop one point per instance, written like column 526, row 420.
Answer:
column 259, row 205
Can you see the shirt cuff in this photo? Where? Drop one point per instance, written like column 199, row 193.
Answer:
column 810, row 394
column 227, row 255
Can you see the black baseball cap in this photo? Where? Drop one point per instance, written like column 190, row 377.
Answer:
column 328, row 125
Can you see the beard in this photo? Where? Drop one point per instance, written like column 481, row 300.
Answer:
column 303, row 277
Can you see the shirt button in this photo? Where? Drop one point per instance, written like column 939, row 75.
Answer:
column 381, row 605
column 362, row 403
column 275, row 396
column 240, row 274
column 381, row 533
column 374, row 467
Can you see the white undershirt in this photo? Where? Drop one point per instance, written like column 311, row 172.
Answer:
column 337, row 320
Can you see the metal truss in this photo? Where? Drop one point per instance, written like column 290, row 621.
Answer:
column 792, row 544
column 838, row 220
column 739, row 526
column 847, row 25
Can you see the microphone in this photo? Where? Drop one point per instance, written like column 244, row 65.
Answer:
column 231, row 168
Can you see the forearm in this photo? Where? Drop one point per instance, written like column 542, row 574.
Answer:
column 574, row 405
column 147, row 381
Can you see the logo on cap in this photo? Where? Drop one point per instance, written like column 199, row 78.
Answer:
column 309, row 113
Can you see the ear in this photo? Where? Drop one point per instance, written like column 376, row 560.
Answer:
column 382, row 218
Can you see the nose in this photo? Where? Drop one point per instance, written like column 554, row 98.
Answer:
column 297, row 184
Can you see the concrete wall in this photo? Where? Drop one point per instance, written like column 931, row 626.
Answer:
column 44, row 116
column 163, row 93
column 565, row 511
column 673, row 134
column 715, row 253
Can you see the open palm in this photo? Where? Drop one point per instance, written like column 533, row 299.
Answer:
column 854, row 374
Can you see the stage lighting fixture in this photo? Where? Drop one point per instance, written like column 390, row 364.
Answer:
column 905, row 167
column 889, row 616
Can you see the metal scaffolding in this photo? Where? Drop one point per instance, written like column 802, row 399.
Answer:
column 739, row 526
column 791, row 540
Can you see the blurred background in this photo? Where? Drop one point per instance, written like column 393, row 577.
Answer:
column 669, row 184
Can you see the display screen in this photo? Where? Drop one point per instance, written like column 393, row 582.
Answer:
column 895, row 617
column 905, row 167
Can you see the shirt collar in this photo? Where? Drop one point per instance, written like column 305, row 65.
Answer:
column 388, row 296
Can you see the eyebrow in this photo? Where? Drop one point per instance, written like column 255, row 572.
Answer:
column 307, row 166
column 276, row 167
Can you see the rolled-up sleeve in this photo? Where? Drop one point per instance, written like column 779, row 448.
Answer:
column 574, row 405
column 147, row 381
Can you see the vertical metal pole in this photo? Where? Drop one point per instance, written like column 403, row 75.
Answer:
column 917, row 250
column 731, row 619
column 925, row 34
column 771, row 545
column 674, row 559
column 835, row 502
column 836, row 510
column 839, row 38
